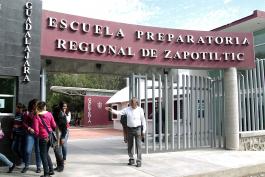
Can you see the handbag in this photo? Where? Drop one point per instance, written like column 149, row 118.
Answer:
column 123, row 120
column 51, row 135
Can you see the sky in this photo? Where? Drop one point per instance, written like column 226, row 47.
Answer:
column 178, row 14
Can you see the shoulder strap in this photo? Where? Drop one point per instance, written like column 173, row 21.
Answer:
column 44, row 124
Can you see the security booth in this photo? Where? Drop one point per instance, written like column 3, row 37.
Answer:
column 94, row 114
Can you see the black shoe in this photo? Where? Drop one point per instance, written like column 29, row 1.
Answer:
column 60, row 168
column 131, row 162
column 11, row 168
column 45, row 176
column 51, row 173
column 138, row 164
column 38, row 170
column 25, row 169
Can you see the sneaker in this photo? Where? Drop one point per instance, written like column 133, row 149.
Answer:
column 21, row 166
column 11, row 168
column 131, row 162
column 138, row 163
column 25, row 169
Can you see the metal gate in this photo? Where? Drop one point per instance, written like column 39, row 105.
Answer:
column 251, row 98
column 182, row 111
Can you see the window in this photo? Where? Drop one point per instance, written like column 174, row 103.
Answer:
column 7, row 95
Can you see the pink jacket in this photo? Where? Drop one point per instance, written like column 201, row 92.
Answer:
column 39, row 128
column 28, row 120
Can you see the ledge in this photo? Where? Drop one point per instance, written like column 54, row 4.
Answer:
column 251, row 133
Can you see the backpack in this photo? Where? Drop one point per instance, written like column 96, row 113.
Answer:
column 123, row 120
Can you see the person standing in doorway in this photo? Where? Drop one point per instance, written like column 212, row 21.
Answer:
column 136, row 128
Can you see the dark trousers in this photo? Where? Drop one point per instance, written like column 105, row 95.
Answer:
column 18, row 146
column 45, row 157
column 135, row 133
column 59, row 157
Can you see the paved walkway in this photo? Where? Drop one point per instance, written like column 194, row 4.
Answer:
column 102, row 153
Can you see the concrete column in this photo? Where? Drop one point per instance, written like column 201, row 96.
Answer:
column 231, row 109
column 43, row 84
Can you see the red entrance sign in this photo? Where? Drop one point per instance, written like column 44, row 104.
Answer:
column 75, row 37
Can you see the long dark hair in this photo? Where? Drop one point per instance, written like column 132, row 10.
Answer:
column 58, row 115
column 55, row 111
column 32, row 105
column 61, row 104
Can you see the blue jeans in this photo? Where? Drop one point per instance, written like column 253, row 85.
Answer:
column 45, row 157
column 64, row 146
column 30, row 141
column 5, row 160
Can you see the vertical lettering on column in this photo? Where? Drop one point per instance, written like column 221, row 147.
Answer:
column 27, row 41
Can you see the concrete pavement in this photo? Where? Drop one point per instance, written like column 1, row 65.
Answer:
column 106, row 156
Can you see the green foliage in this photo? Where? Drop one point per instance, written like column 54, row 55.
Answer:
column 97, row 81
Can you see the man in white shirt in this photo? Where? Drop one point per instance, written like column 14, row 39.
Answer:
column 136, row 126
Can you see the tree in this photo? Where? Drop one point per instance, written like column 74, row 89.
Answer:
column 97, row 81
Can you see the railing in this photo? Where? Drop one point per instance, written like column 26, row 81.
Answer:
column 251, row 98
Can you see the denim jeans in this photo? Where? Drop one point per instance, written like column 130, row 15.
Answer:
column 30, row 141
column 17, row 146
column 45, row 157
column 5, row 160
column 64, row 146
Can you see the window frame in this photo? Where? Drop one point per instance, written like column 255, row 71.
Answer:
column 14, row 96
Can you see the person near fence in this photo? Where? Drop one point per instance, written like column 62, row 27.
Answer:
column 44, row 122
column 136, row 124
